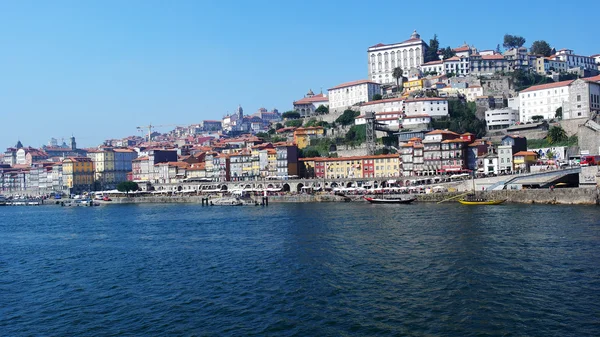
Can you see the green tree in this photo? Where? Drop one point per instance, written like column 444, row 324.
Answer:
column 271, row 132
column 397, row 74
column 127, row 186
column 311, row 122
column 537, row 118
column 322, row 110
column 294, row 123
column 377, row 97
column 278, row 126
column 498, row 49
column 356, row 134
column 347, row 117
column 558, row 113
column 432, row 51
column 557, row 134
column 291, row 114
column 309, row 152
column 513, row 41
column 262, row 135
column 550, row 154
column 448, row 52
column 541, row 47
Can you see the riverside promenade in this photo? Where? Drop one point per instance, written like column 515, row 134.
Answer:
column 560, row 196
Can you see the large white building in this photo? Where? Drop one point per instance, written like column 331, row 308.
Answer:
column 572, row 60
column 433, row 106
column 350, row 93
column 383, row 105
column 543, row 100
column 501, row 118
column 383, row 58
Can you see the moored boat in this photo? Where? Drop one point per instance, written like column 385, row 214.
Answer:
column 2, row 200
column 391, row 200
column 472, row 199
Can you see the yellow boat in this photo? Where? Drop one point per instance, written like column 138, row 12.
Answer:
column 481, row 202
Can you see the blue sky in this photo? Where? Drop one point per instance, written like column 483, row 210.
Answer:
column 98, row 69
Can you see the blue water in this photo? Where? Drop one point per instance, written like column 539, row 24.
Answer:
column 335, row 269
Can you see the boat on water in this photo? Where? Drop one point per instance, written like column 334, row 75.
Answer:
column 472, row 199
column 2, row 200
column 390, row 200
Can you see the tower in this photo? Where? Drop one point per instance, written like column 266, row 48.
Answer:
column 240, row 112
column 73, row 144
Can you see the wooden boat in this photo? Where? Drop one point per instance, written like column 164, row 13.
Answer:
column 482, row 202
column 390, row 200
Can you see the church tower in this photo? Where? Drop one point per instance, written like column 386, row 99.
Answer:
column 240, row 113
column 73, row 144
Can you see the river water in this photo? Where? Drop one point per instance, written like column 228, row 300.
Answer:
column 315, row 269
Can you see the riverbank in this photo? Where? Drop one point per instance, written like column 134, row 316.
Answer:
column 564, row 196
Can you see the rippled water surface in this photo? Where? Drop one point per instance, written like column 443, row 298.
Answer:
column 300, row 270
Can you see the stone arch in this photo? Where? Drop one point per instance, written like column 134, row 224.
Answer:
column 223, row 187
column 286, row 187
column 299, row 187
column 349, row 184
column 333, row 184
column 179, row 188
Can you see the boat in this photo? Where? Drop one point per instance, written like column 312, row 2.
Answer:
column 3, row 200
column 472, row 199
column 391, row 200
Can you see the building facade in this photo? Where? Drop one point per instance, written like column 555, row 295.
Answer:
column 351, row 93
column 383, row 58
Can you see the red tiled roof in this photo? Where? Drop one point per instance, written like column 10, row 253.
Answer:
column 492, row 57
column 548, row 86
column 349, row 84
column 525, row 153
column 461, row 49
column 430, row 63
column 315, row 98
column 442, row 132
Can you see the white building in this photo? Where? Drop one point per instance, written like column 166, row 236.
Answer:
column 310, row 102
column 596, row 59
column 433, row 106
column 572, row 60
column 472, row 92
column 415, row 121
column 384, row 105
column 545, row 65
column 383, row 58
column 584, row 98
column 501, row 118
column 350, row 93
column 391, row 119
column 543, row 100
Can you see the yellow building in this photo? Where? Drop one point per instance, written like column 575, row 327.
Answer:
column 272, row 167
column 345, row 167
column 104, row 167
column 78, row 174
column 413, row 85
column 386, row 165
column 302, row 136
column 524, row 159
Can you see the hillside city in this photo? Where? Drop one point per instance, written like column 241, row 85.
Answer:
column 421, row 110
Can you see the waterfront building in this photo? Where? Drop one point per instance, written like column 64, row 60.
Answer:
column 221, row 165
column 523, row 160
column 490, row 164
column 57, row 178
column 455, row 153
column 309, row 103
column 78, row 174
column 197, row 170
column 271, row 169
column 378, row 166
column 510, row 145
column 432, row 151
column 287, row 160
column 476, row 150
column 383, row 58
column 104, row 167
column 350, row 93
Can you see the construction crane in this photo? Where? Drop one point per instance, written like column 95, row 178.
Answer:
column 150, row 127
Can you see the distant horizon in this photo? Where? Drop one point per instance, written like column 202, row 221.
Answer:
column 99, row 70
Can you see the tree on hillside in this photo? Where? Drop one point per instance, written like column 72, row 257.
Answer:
column 397, row 74
column 127, row 186
column 513, row 41
column 291, row 114
column 294, row 123
column 432, row 52
column 321, row 110
column 541, row 47
column 537, row 118
column 557, row 134
column 377, row 97
column 347, row 117
column 447, row 52
column 558, row 113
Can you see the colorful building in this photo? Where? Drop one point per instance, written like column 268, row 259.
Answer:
column 78, row 174
column 303, row 136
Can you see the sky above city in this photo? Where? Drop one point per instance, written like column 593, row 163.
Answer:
column 99, row 69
